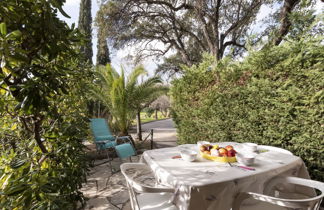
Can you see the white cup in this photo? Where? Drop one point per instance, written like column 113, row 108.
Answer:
column 245, row 160
column 188, row 155
column 251, row 147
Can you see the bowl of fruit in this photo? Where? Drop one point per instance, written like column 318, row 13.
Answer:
column 216, row 153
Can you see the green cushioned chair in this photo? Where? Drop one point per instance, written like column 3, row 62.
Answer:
column 105, row 140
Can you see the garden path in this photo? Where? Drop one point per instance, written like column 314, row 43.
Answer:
column 164, row 133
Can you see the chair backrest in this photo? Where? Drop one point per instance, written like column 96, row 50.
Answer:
column 131, row 172
column 308, row 203
column 100, row 129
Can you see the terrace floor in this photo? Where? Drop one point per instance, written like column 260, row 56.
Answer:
column 107, row 191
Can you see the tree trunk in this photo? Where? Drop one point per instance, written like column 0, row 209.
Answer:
column 286, row 10
column 98, row 109
column 37, row 129
column 164, row 112
column 139, row 126
column 156, row 115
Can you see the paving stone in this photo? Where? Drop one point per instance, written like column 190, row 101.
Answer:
column 99, row 204
column 127, row 206
column 109, row 192
column 117, row 180
column 119, row 198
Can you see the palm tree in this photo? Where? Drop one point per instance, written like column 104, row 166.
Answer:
column 125, row 97
column 143, row 95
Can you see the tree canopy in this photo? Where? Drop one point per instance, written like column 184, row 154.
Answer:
column 186, row 28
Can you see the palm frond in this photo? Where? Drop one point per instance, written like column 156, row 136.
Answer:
column 125, row 96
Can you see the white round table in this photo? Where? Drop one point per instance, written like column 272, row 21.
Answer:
column 205, row 184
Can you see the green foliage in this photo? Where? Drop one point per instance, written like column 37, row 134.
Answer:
column 124, row 96
column 103, row 57
column 84, row 25
column 274, row 97
column 42, row 114
column 148, row 111
column 33, row 180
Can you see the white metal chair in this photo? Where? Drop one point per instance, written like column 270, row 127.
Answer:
column 275, row 203
column 142, row 195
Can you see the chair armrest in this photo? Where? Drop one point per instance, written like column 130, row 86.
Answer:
column 123, row 138
column 146, row 189
column 290, row 203
column 296, row 181
column 102, row 142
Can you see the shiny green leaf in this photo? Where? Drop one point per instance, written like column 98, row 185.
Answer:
column 17, row 163
column 3, row 29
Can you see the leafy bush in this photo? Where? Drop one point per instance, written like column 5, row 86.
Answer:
column 273, row 97
column 148, row 111
column 42, row 109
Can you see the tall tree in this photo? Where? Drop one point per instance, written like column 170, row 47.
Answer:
column 103, row 57
column 190, row 27
column 84, row 25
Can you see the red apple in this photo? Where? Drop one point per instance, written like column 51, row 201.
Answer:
column 231, row 153
column 229, row 147
column 208, row 147
column 202, row 148
column 222, row 151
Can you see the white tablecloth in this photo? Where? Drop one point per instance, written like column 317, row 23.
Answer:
column 205, row 184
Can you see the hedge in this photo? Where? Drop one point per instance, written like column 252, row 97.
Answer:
column 272, row 97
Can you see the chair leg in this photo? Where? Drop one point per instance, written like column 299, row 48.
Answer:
column 109, row 159
column 108, row 156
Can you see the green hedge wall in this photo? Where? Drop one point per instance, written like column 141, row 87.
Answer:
column 273, row 97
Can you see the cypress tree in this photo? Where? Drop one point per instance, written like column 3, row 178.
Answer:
column 84, row 25
column 102, row 47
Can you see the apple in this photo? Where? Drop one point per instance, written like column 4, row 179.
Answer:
column 229, row 147
column 206, row 152
column 222, row 151
column 209, row 147
column 202, row 148
column 231, row 153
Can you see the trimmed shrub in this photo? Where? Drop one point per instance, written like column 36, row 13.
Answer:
column 273, row 97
